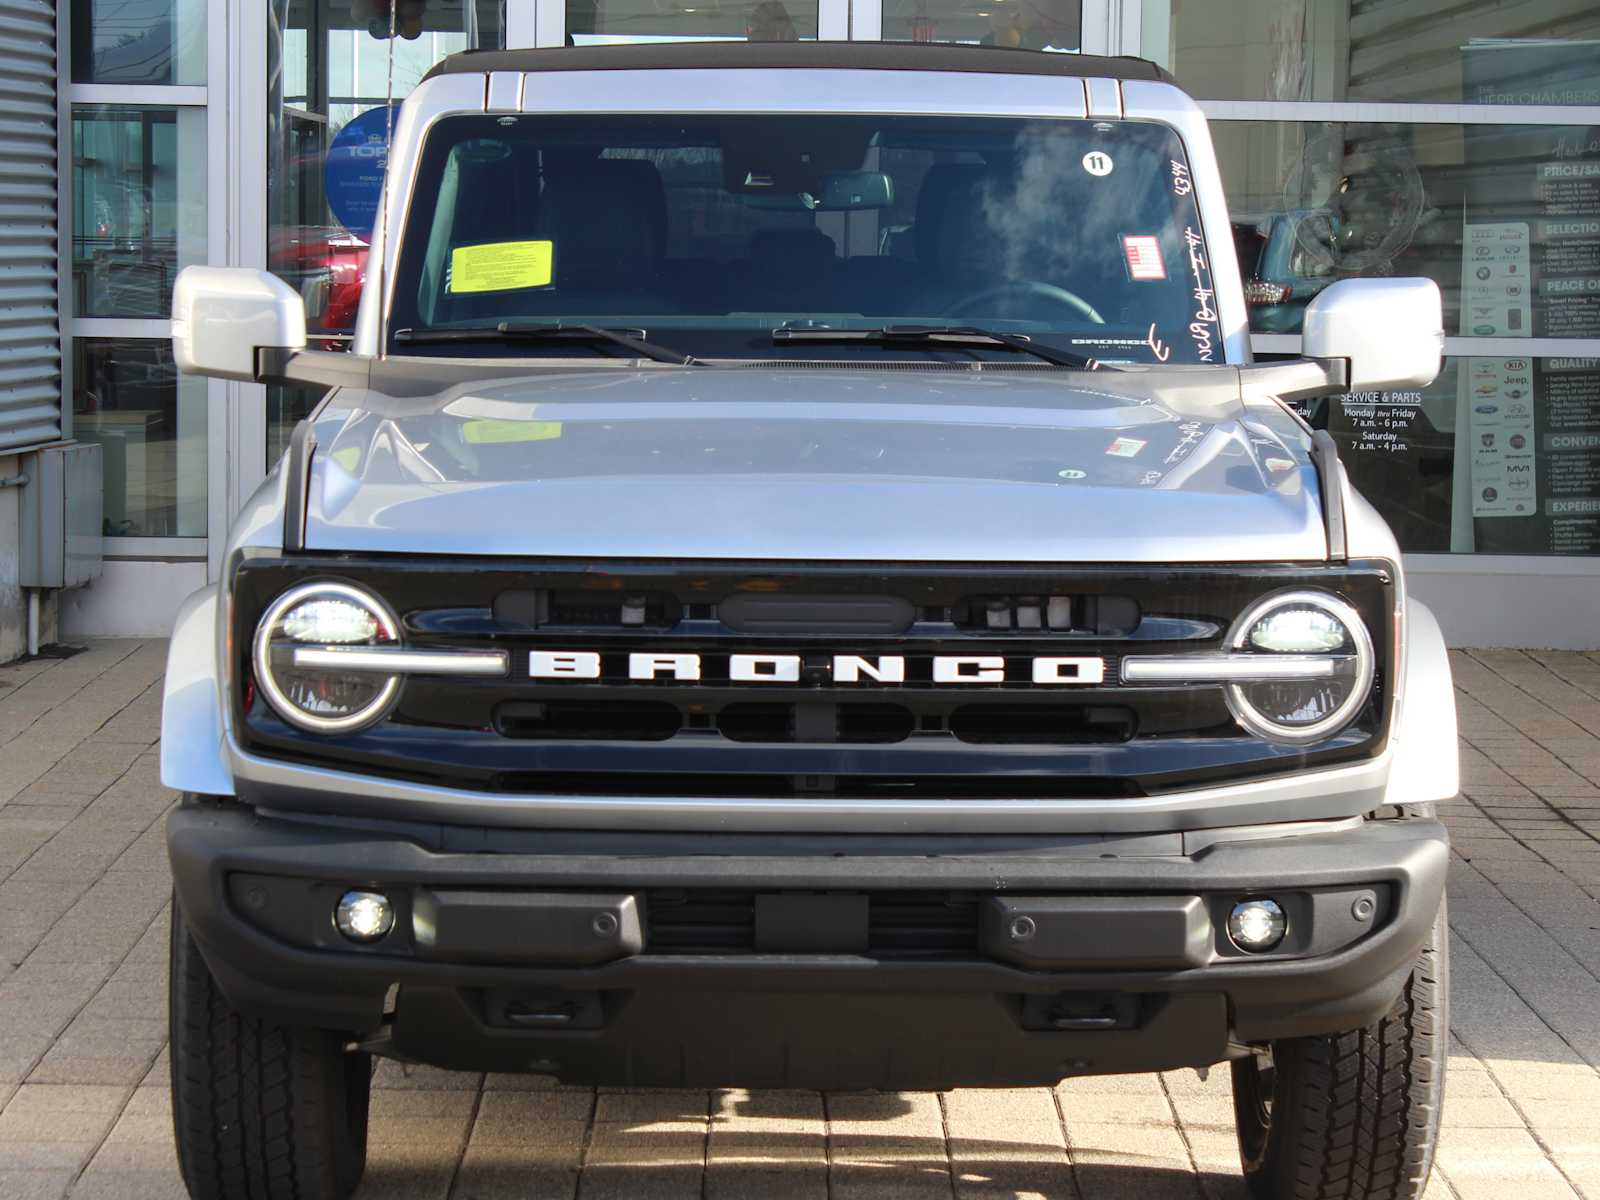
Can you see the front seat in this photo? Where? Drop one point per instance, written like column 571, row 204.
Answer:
column 792, row 270
column 960, row 247
column 607, row 220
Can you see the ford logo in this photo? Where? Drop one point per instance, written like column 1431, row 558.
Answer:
column 1487, row 408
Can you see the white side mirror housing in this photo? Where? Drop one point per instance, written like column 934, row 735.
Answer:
column 222, row 315
column 1391, row 331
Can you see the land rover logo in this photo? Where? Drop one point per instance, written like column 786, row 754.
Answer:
column 842, row 668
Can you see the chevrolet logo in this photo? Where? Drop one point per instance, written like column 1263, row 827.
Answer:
column 843, row 668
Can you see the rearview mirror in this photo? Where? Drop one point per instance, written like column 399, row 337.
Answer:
column 851, row 191
column 839, row 191
column 222, row 316
column 1390, row 331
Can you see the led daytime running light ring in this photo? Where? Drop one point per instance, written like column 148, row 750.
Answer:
column 1365, row 659
column 261, row 657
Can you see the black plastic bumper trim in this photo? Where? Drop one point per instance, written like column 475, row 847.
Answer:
column 346, row 990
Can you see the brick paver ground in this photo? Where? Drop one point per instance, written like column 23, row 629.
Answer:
column 83, row 1063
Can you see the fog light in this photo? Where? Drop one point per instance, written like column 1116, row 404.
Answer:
column 364, row 916
column 1257, row 925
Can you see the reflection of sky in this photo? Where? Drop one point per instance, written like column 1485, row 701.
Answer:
column 358, row 68
column 1063, row 226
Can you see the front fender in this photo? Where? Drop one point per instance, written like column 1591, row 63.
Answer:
column 1427, row 759
column 193, row 758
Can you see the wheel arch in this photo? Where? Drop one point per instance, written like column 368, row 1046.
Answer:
column 1427, row 758
column 193, row 753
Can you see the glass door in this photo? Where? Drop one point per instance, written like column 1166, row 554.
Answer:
column 328, row 73
column 1358, row 143
column 135, row 198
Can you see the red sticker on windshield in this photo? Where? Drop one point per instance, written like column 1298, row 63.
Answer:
column 1143, row 252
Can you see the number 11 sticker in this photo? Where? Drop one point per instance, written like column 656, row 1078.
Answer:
column 1143, row 252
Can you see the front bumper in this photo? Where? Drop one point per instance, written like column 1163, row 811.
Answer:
column 503, row 965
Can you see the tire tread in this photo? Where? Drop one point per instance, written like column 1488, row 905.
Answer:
column 1356, row 1115
column 260, row 1111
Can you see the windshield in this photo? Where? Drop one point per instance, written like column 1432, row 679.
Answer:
column 713, row 232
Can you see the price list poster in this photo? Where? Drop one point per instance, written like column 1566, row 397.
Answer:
column 1528, row 429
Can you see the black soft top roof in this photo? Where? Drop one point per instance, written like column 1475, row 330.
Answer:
column 869, row 56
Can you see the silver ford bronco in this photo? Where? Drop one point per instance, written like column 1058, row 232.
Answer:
column 798, row 582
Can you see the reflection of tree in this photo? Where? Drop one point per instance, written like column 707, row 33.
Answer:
column 1288, row 36
column 137, row 41
column 1359, row 202
column 770, row 22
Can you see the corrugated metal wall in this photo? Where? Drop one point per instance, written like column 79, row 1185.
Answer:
column 30, row 326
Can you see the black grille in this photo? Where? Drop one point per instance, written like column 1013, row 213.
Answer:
column 814, row 735
column 589, row 720
column 815, row 721
column 1042, row 724
column 900, row 925
column 593, row 609
column 781, row 615
column 1042, row 615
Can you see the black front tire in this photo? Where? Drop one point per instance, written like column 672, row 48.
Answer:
column 260, row 1111
column 1354, row 1116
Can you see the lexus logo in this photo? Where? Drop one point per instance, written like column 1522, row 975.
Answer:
column 954, row 669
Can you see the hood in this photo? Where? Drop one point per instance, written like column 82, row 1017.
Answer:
column 823, row 464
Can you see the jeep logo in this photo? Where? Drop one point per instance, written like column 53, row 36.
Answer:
column 843, row 668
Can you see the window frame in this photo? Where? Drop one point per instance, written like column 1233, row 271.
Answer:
column 1125, row 26
column 1300, row 111
column 216, row 185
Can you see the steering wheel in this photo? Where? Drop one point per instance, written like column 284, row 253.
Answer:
column 1026, row 287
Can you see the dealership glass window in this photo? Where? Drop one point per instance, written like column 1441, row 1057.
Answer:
column 1500, row 455
column 286, row 405
column 1477, row 52
column 327, row 77
column 1031, row 24
column 138, row 41
column 138, row 216
column 327, row 66
column 1506, row 218
column 150, row 423
column 596, row 22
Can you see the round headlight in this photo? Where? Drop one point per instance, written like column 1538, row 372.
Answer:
column 1319, row 649
column 324, row 698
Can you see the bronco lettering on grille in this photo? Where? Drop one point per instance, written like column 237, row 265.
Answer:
column 842, row 668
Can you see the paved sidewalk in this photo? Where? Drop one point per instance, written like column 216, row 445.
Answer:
column 83, row 1093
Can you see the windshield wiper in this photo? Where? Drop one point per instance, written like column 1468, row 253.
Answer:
column 956, row 337
column 515, row 331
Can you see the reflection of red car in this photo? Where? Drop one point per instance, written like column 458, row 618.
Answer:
column 327, row 267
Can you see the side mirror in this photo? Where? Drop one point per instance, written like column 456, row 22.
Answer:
column 1390, row 331
column 221, row 317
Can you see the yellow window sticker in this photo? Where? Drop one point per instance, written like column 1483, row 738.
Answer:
column 501, row 266
column 489, row 430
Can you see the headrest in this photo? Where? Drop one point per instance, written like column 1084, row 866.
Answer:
column 606, row 214
column 954, row 224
